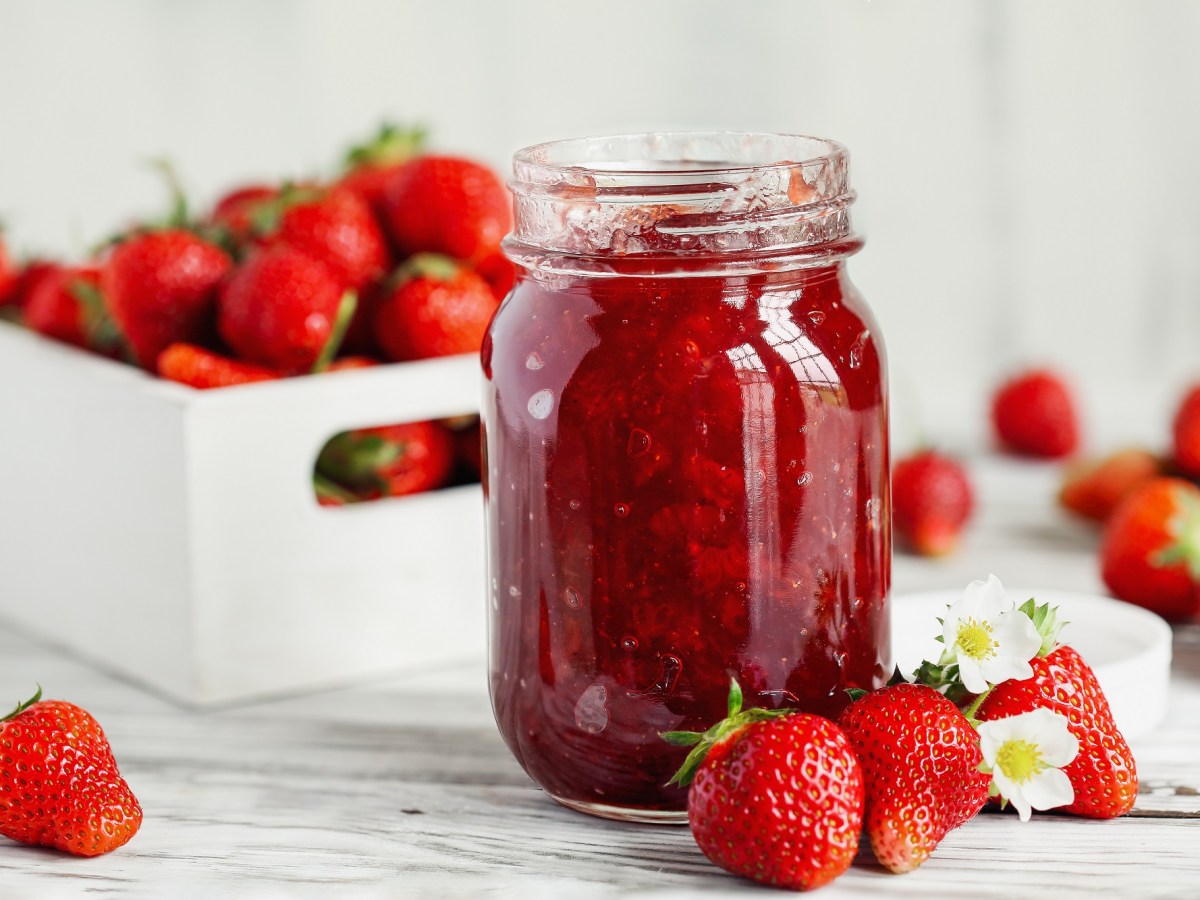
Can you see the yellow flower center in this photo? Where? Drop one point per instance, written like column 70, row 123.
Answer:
column 1020, row 760
column 975, row 639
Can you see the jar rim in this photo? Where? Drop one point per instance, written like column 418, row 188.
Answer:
column 598, row 155
column 737, row 194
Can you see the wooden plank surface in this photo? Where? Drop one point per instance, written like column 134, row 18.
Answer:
column 402, row 787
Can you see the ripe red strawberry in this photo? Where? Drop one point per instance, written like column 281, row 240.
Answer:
column 1103, row 774
column 161, row 287
column 932, row 501
column 1034, row 414
column 200, row 368
column 59, row 784
column 30, row 277
column 66, row 304
column 1150, row 553
column 920, row 759
column 443, row 204
column 370, row 166
column 1093, row 488
column 1186, row 434
column 393, row 460
column 434, row 307
column 775, row 796
column 235, row 212
column 284, row 310
column 338, row 229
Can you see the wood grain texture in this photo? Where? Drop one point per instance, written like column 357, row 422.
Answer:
column 403, row 788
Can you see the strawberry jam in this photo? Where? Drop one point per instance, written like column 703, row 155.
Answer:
column 686, row 473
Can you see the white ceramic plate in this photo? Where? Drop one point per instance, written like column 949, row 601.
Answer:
column 1128, row 648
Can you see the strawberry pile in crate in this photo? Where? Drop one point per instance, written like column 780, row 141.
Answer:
column 396, row 259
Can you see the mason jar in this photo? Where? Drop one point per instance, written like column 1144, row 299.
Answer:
column 686, row 438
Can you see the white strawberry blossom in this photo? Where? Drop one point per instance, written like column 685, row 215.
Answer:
column 989, row 639
column 1025, row 755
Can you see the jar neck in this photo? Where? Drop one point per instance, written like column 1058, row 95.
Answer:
column 681, row 205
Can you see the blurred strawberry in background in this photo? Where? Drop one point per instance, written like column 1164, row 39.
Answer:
column 932, row 502
column 1093, row 488
column 1035, row 414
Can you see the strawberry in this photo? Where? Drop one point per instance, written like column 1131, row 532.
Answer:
column 66, row 304
column 434, row 307
column 1103, row 774
column 1034, row 415
column 345, row 363
column 200, row 368
column 1186, row 434
column 920, row 759
column 336, row 228
column 370, row 166
column 284, row 310
column 776, row 796
column 392, row 460
column 161, row 287
column 443, row 204
column 59, row 784
column 1093, row 488
column 33, row 273
column 235, row 212
column 1150, row 552
column 932, row 501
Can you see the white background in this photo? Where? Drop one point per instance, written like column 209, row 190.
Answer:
column 1028, row 172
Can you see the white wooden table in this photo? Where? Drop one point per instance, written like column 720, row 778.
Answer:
column 403, row 788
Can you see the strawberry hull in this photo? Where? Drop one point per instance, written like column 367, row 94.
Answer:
column 172, row 534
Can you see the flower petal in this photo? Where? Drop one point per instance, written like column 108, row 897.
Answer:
column 999, row 669
column 983, row 599
column 972, row 678
column 1016, row 635
column 1048, row 789
column 1011, row 791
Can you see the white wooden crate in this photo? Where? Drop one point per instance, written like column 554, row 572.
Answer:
column 172, row 534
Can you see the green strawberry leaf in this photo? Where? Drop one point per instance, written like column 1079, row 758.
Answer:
column 341, row 323
column 22, row 706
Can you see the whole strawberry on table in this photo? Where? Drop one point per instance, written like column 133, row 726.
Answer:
column 1006, row 712
column 59, row 783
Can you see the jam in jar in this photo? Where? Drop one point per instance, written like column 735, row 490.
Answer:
column 686, row 473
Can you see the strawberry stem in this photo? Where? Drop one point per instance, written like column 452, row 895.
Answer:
column 341, row 322
column 21, row 707
column 702, row 742
column 970, row 711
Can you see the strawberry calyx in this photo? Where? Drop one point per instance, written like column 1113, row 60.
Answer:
column 702, row 742
column 341, row 323
column 434, row 266
column 267, row 215
column 97, row 323
column 391, row 145
column 333, row 493
column 23, row 705
column 1045, row 620
column 1184, row 528
column 356, row 458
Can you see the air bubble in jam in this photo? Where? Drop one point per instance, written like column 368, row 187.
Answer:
column 533, row 362
column 572, row 599
column 639, row 442
column 629, row 643
column 591, row 710
column 621, row 510
column 816, row 316
column 805, row 479
column 541, row 403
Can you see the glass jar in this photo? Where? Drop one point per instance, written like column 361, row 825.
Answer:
column 686, row 474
